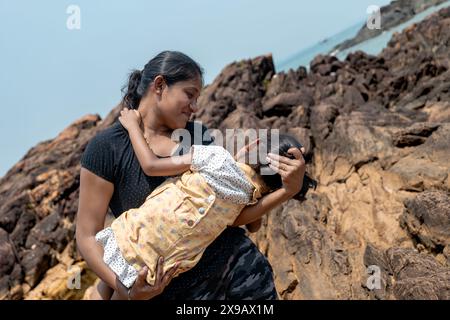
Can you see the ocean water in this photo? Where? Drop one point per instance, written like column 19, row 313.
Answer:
column 304, row 57
column 372, row 46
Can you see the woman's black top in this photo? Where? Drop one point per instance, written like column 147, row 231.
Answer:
column 110, row 155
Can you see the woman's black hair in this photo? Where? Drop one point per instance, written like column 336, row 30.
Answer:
column 174, row 66
column 280, row 146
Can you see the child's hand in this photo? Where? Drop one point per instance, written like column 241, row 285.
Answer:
column 130, row 118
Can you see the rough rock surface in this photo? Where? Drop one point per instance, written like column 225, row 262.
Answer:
column 38, row 204
column 377, row 131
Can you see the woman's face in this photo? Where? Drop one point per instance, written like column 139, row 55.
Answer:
column 178, row 102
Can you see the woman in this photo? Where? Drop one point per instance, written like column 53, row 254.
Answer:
column 165, row 94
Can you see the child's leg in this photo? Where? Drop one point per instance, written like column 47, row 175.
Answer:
column 101, row 292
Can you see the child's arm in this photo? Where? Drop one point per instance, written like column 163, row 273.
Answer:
column 150, row 163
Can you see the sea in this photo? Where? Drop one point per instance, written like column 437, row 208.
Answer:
column 371, row 46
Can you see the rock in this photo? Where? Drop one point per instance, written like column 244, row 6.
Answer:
column 438, row 111
column 7, row 256
column 322, row 120
column 446, row 253
column 12, row 209
column 377, row 266
column 303, row 135
column 51, row 231
column 240, row 84
column 35, row 262
column 241, row 119
column 414, row 135
column 4, row 287
column 408, row 275
column 25, row 223
column 418, row 276
column 352, row 97
column 282, row 82
column 426, row 167
column 282, row 104
column 299, row 117
column 38, row 206
column 64, row 283
column 325, row 65
column 349, row 146
column 308, row 255
column 15, row 283
column 427, row 219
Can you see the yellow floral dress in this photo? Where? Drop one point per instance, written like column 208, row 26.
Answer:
column 182, row 216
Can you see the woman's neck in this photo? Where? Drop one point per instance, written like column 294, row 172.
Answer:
column 150, row 124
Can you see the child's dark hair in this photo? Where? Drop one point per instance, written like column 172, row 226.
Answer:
column 280, row 146
column 174, row 66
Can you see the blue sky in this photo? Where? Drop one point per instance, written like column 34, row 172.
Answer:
column 51, row 76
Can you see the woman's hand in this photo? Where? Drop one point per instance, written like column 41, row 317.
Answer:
column 141, row 290
column 130, row 118
column 291, row 171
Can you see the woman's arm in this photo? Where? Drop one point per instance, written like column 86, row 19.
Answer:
column 254, row 226
column 270, row 201
column 95, row 194
column 150, row 163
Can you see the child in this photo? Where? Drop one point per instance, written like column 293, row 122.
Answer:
column 182, row 216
